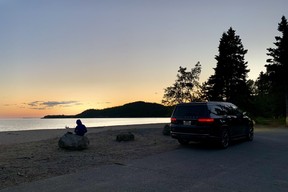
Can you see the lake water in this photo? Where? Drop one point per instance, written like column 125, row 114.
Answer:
column 37, row 123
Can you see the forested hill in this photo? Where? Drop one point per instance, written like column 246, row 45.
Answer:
column 136, row 109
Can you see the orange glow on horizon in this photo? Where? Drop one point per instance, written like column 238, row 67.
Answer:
column 26, row 111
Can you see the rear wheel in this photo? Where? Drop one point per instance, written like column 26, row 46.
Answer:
column 225, row 139
column 183, row 141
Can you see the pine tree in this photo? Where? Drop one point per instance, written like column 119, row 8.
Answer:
column 277, row 68
column 265, row 103
column 263, row 84
column 229, row 80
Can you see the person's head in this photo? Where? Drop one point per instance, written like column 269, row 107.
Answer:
column 78, row 122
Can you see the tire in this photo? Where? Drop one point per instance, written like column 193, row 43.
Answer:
column 225, row 139
column 250, row 134
column 183, row 141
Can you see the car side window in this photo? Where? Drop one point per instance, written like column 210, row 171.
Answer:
column 239, row 112
column 218, row 110
column 233, row 110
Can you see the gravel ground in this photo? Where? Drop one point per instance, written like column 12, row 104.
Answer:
column 26, row 162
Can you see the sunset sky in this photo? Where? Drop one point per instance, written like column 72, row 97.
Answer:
column 66, row 56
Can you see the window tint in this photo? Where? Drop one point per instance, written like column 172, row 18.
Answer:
column 191, row 111
column 218, row 110
column 232, row 109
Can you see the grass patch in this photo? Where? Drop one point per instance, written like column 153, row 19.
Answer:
column 272, row 122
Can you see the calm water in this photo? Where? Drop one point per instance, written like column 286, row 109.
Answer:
column 35, row 123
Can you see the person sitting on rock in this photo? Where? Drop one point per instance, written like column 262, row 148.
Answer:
column 80, row 128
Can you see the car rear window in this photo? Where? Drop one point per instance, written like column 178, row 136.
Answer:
column 191, row 111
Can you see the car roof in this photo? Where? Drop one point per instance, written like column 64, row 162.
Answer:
column 204, row 103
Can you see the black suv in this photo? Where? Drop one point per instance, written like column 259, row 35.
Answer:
column 219, row 121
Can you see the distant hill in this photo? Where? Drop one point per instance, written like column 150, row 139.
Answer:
column 136, row 109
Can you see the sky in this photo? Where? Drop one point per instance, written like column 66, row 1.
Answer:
column 66, row 56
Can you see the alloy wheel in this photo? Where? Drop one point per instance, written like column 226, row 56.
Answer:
column 225, row 139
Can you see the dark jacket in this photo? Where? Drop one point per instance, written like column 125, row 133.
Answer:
column 80, row 130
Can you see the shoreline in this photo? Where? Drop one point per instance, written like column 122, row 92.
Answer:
column 15, row 137
column 24, row 136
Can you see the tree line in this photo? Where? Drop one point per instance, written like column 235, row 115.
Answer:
column 267, row 96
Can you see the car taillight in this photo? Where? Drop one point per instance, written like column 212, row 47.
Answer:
column 173, row 120
column 205, row 120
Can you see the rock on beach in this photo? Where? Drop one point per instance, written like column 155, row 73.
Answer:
column 73, row 142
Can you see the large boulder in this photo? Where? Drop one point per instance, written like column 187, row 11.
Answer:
column 73, row 142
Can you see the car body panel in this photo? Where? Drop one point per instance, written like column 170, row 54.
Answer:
column 206, row 120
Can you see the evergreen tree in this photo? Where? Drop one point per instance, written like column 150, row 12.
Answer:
column 264, row 102
column 277, row 68
column 263, row 84
column 229, row 80
column 185, row 88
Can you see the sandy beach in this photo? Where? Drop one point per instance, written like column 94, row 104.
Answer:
column 27, row 156
column 13, row 137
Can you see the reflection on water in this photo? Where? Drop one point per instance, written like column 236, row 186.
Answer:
column 35, row 123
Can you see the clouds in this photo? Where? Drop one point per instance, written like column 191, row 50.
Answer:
column 40, row 108
column 42, row 105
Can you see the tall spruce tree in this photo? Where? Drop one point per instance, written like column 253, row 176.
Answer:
column 277, row 68
column 229, row 81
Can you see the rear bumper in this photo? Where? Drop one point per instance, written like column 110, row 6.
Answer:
column 195, row 133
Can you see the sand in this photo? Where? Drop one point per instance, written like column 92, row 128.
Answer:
column 26, row 156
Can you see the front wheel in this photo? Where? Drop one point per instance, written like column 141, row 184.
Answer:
column 225, row 139
column 250, row 135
